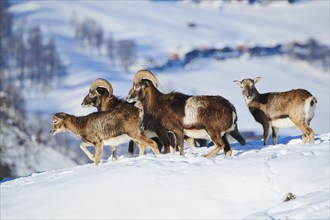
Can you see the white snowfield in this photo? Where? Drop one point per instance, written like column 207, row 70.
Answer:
column 252, row 184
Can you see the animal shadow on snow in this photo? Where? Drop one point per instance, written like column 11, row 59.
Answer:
column 252, row 145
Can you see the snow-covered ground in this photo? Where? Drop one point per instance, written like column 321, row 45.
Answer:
column 252, row 184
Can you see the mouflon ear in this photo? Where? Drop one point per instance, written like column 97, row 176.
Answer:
column 60, row 115
column 256, row 79
column 238, row 82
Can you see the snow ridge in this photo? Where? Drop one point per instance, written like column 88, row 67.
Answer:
column 252, row 184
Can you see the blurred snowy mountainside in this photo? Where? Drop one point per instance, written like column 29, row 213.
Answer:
column 154, row 32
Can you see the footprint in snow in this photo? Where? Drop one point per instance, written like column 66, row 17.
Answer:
column 308, row 154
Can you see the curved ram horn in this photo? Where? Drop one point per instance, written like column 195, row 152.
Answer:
column 102, row 83
column 145, row 74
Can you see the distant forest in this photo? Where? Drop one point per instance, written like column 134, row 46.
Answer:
column 91, row 36
column 27, row 61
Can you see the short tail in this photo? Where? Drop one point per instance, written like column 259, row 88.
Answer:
column 313, row 101
column 234, row 132
column 310, row 107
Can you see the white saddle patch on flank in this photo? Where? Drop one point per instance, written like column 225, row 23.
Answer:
column 191, row 111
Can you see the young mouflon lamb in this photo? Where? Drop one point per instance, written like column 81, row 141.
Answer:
column 103, row 128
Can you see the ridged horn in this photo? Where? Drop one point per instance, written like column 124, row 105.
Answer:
column 102, row 83
column 145, row 74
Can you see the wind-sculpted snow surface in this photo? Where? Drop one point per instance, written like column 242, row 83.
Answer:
column 252, row 184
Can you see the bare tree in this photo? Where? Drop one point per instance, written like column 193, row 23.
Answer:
column 126, row 52
column 90, row 33
column 6, row 20
column 110, row 47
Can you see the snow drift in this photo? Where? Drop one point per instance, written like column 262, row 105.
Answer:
column 252, row 184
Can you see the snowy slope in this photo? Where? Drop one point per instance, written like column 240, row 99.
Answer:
column 252, row 184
